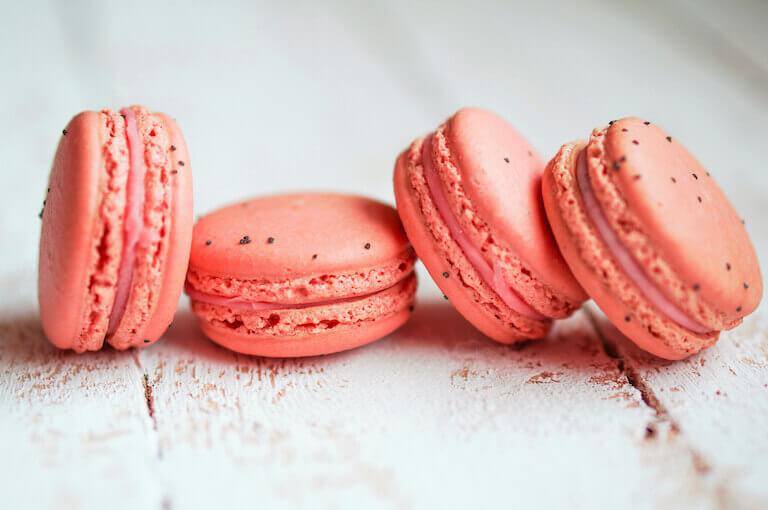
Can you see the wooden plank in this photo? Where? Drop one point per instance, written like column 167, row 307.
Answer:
column 739, row 26
column 717, row 401
column 435, row 414
column 75, row 428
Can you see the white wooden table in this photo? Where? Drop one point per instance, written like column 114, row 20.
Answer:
column 311, row 96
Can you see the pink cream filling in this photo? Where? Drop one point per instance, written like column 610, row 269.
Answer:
column 239, row 303
column 133, row 226
column 491, row 275
column 622, row 256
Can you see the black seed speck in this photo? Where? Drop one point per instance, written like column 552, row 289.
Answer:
column 738, row 308
column 746, row 285
column 367, row 246
column 623, row 159
column 673, row 179
column 410, row 308
column 646, row 122
column 699, row 198
column 173, row 147
column 64, row 132
column 728, row 266
column 181, row 163
column 122, row 115
column 695, row 176
column 696, row 287
column 636, row 177
column 314, row 256
column 169, row 325
column 270, row 240
column 446, row 275
column 635, row 142
column 669, row 139
column 174, row 172
column 611, row 123
column 445, row 297
column 208, row 242
column 506, row 160
column 245, row 240
column 40, row 214
column 146, row 341
column 627, row 318
column 616, row 165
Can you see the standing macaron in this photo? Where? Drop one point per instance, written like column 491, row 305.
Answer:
column 116, row 230
column 652, row 238
column 300, row 274
column 470, row 201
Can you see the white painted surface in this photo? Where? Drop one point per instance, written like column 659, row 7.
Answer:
column 324, row 96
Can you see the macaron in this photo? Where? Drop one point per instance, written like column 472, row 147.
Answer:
column 300, row 274
column 651, row 237
column 469, row 197
column 116, row 230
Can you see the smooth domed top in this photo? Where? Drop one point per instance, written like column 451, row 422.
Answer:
column 685, row 214
column 501, row 174
column 301, row 234
column 67, row 230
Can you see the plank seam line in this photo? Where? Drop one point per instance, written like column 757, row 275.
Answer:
column 149, row 400
column 662, row 414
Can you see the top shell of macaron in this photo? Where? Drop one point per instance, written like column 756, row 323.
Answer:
column 498, row 173
column 284, row 236
column 684, row 213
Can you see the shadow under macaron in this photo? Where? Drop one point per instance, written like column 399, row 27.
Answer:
column 437, row 326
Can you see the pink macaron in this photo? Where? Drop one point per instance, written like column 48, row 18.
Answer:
column 651, row 237
column 116, row 230
column 469, row 196
column 300, row 274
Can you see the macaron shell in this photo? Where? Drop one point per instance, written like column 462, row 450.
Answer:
column 499, row 177
column 80, row 241
column 687, row 218
column 322, row 329
column 342, row 339
column 479, row 305
column 598, row 273
column 275, row 238
column 179, row 235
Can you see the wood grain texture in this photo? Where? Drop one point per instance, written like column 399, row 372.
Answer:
column 316, row 95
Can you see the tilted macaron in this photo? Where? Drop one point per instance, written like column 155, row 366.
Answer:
column 117, row 225
column 470, row 201
column 651, row 237
column 300, row 274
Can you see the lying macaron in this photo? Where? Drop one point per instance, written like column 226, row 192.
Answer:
column 469, row 196
column 652, row 238
column 300, row 274
column 116, row 230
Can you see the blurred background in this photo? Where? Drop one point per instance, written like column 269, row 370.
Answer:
column 294, row 95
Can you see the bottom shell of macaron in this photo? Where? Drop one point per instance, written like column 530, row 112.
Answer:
column 309, row 330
